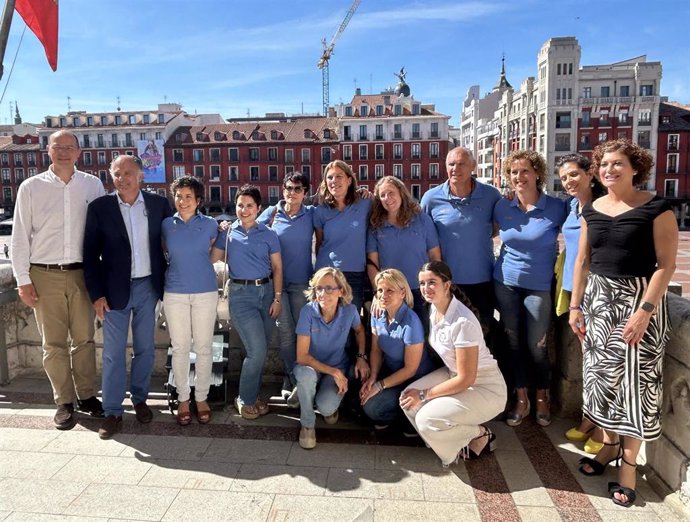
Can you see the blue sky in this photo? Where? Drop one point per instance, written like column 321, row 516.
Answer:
column 234, row 56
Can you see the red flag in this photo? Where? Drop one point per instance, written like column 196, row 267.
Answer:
column 42, row 18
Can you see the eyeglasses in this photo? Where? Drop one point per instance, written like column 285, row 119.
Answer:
column 328, row 289
column 293, row 188
column 68, row 148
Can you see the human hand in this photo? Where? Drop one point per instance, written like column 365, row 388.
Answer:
column 362, row 369
column 577, row 324
column 364, row 390
column 340, row 381
column 410, row 400
column 634, row 329
column 101, row 307
column 364, row 193
column 27, row 293
column 274, row 310
column 371, row 391
column 224, row 225
column 376, row 309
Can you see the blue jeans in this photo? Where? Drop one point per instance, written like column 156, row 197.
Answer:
column 314, row 387
column 249, row 306
column 140, row 309
column 526, row 316
column 292, row 303
column 384, row 407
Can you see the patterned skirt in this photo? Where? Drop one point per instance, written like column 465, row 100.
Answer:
column 622, row 384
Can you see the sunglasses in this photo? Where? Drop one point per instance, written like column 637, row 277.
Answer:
column 293, row 188
column 327, row 289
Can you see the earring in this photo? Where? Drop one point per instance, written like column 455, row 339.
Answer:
column 634, row 173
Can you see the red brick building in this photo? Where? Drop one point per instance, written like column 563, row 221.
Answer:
column 673, row 159
column 20, row 157
column 257, row 151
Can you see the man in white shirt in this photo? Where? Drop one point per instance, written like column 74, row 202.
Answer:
column 47, row 256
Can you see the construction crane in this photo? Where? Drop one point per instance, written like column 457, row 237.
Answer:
column 328, row 52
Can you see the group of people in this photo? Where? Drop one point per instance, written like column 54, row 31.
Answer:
column 432, row 356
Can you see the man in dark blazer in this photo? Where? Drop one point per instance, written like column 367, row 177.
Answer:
column 124, row 269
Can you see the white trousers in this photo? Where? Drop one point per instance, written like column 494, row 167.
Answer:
column 191, row 320
column 447, row 424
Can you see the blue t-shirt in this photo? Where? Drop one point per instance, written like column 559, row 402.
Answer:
column 571, row 237
column 344, row 236
column 465, row 228
column 404, row 248
column 405, row 330
column 327, row 341
column 189, row 245
column 295, row 235
column 529, row 249
column 250, row 252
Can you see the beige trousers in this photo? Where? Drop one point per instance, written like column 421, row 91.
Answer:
column 65, row 319
column 447, row 424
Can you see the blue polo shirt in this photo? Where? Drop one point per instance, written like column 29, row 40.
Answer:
column 327, row 341
column 404, row 248
column 571, row 236
column 295, row 235
column 529, row 241
column 344, row 236
column 250, row 252
column 393, row 337
column 465, row 227
column 189, row 245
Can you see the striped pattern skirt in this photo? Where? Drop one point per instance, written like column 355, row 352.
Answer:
column 622, row 384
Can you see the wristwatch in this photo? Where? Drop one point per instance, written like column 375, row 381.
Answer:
column 647, row 307
column 422, row 395
column 363, row 356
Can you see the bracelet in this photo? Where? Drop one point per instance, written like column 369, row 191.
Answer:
column 381, row 385
column 363, row 356
column 276, row 301
column 572, row 308
column 277, row 293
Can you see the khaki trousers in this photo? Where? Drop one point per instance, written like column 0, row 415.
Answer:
column 65, row 319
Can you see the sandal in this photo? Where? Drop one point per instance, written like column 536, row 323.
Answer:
column 575, row 435
column 203, row 412
column 544, row 419
column 598, row 468
column 514, row 418
column 468, row 453
column 615, row 487
column 261, row 407
column 184, row 416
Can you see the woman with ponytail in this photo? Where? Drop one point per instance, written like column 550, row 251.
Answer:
column 448, row 406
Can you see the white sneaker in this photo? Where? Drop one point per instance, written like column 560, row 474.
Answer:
column 307, row 438
column 331, row 419
column 292, row 400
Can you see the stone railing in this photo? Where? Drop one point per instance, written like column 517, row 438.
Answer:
column 667, row 459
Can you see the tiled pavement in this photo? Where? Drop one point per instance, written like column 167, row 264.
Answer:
column 242, row 470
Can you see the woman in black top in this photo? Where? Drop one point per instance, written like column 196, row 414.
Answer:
column 626, row 258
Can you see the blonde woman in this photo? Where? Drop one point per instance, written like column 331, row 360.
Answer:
column 322, row 363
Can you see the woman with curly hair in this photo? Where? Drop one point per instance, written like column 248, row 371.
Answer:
column 529, row 225
column 626, row 259
column 400, row 236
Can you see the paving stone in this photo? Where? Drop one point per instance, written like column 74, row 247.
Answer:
column 191, row 475
column 522, row 479
column 334, row 455
column 620, row 514
column 368, row 483
column 410, row 511
column 88, row 443
column 408, row 458
column 43, row 517
column 149, row 447
column 116, row 500
column 448, row 486
column 248, row 451
column 38, row 496
column 295, row 508
column 4, row 514
column 19, row 439
column 218, row 505
column 259, row 478
column 542, row 514
column 21, row 464
column 103, row 470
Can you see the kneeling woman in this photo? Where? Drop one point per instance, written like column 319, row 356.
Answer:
column 448, row 406
column 322, row 363
column 397, row 348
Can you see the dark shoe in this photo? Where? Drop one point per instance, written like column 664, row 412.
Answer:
column 203, row 412
column 615, row 487
column 111, row 425
column 598, row 468
column 92, row 406
column 64, row 417
column 143, row 413
column 184, row 414
column 488, row 448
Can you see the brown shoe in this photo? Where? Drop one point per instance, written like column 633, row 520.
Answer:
column 92, row 406
column 111, row 425
column 143, row 413
column 64, row 417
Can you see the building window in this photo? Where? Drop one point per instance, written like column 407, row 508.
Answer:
column 542, row 121
column 562, row 120
column 233, row 173
column 326, row 154
column 417, row 192
column 584, row 142
column 178, row 155
column 416, row 133
column 146, row 119
column 363, row 110
column 671, row 188
column 363, row 152
column 89, row 121
column 415, row 171
column 433, row 171
column 161, row 118
column 397, row 131
column 603, row 137
column 289, row 169
column 378, row 171
column 32, row 171
column 87, row 141
column 646, row 90
column 379, row 132
column 178, row 171
column 272, row 154
column 233, row 154
column 254, row 173
column 347, row 133
column 415, row 108
column 198, row 155
column 215, row 155
column 306, row 155
column 114, row 142
column 327, row 134
column 587, row 92
column 273, row 195
column 625, row 90
column 623, row 118
column 562, row 142
column 7, row 193
column 306, row 170
column 118, row 119
column 347, row 152
column 378, row 151
column 605, row 92
column 101, row 157
column 253, row 153
column 348, row 110
column 289, row 156
column 87, row 159
column 273, row 173
column 363, row 172
column 214, row 194
column 416, row 151
column 673, row 141
column 671, row 163
column 397, row 170
column 645, row 117
column 215, row 172
column 199, row 171
column 604, row 120
column 142, row 136
column 379, row 110
column 362, row 132
column 397, row 151
column 397, row 110
column 434, row 130
column 644, row 139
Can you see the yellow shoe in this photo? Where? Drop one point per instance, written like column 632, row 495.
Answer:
column 576, row 435
column 593, row 447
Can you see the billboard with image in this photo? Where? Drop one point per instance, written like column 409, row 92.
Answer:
column 151, row 154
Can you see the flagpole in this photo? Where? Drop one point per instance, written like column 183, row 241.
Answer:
column 5, row 31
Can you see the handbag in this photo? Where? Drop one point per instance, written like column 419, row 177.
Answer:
column 223, row 305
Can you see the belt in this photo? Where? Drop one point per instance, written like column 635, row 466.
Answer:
column 255, row 282
column 70, row 266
